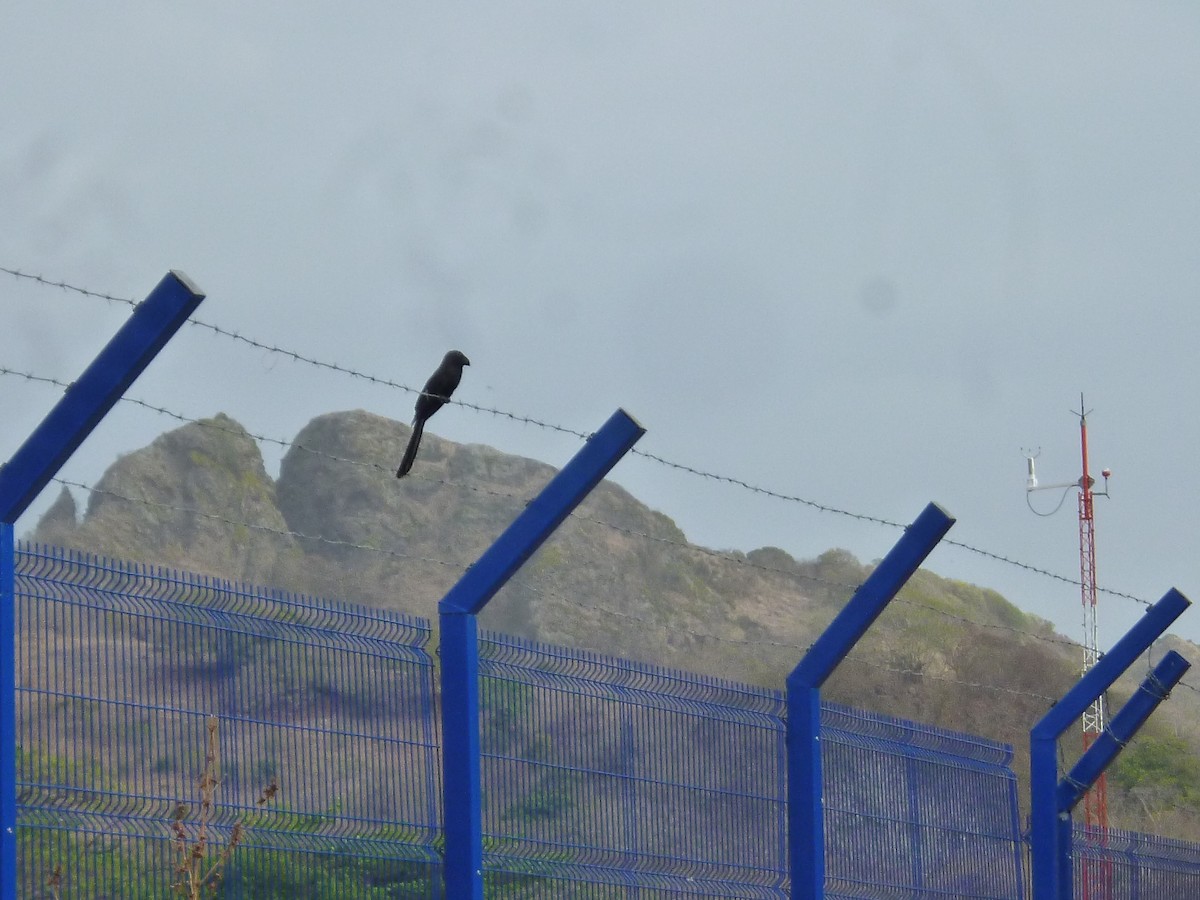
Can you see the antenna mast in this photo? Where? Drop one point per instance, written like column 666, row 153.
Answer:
column 1095, row 802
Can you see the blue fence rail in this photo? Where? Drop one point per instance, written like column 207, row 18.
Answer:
column 602, row 778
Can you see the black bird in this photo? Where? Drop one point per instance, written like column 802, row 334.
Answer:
column 438, row 388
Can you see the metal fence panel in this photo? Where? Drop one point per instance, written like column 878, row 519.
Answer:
column 641, row 781
column 119, row 669
column 1132, row 866
column 914, row 811
column 670, row 784
column 602, row 778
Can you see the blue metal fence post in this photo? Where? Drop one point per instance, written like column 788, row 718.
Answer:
column 8, row 716
column 153, row 322
column 461, row 764
column 806, row 827
column 1049, row 827
column 1121, row 729
column 1044, row 833
column 462, row 814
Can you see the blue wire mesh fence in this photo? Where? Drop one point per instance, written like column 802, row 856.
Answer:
column 120, row 668
column 646, row 782
column 602, row 778
column 627, row 780
column 1132, row 866
column 917, row 811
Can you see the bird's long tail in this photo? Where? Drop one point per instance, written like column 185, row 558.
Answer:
column 410, row 452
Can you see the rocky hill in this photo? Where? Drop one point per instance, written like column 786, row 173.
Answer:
column 617, row 577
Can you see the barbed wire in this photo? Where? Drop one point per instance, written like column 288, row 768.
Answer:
column 738, row 560
column 381, row 381
column 460, row 568
column 299, row 357
column 821, row 507
column 574, row 601
column 690, row 470
column 367, row 547
column 915, row 673
column 262, row 438
column 797, row 649
column 457, row 567
column 740, row 483
column 237, row 432
column 766, row 492
column 683, row 546
column 1074, row 582
column 62, row 285
column 454, row 566
column 824, row 582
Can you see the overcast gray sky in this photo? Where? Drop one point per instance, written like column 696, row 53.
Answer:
column 861, row 252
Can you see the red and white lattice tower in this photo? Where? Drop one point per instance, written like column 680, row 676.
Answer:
column 1096, row 880
column 1095, row 802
